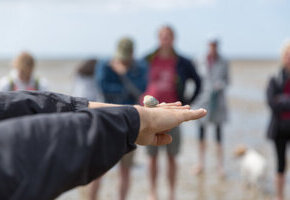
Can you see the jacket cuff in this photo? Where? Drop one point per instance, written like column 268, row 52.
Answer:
column 79, row 103
column 134, row 120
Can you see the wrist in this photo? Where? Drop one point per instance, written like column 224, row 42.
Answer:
column 145, row 123
column 93, row 104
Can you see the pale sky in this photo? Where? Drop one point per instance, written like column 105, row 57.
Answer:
column 82, row 28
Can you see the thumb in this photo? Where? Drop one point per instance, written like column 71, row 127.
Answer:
column 162, row 139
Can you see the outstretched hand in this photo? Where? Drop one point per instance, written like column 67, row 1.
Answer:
column 155, row 122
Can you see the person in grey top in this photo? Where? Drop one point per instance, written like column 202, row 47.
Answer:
column 216, row 80
column 85, row 81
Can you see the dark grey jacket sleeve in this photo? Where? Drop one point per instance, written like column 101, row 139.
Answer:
column 14, row 104
column 44, row 155
column 275, row 98
column 193, row 75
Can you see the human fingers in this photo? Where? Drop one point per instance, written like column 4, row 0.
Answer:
column 164, row 132
column 162, row 139
column 177, row 103
column 175, row 107
column 163, row 119
column 187, row 115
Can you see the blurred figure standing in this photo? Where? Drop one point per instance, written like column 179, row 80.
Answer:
column 278, row 97
column 85, row 86
column 122, row 80
column 21, row 76
column 216, row 80
column 85, row 82
column 167, row 79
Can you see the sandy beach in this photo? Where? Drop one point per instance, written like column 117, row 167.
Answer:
column 247, row 124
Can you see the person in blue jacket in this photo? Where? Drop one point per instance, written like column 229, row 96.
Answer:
column 122, row 80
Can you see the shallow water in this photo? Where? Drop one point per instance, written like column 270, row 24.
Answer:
column 248, row 121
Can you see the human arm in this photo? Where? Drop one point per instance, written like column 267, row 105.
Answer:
column 193, row 75
column 224, row 76
column 15, row 104
column 45, row 155
column 227, row 74
column 277, row 101
column 108, row 82
column 135, row 83
column 21, row 103
column 130, row 87
column 116, row 78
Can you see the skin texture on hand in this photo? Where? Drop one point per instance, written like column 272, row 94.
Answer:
column 155, row 122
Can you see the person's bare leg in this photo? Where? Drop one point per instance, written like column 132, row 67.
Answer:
column 201, row 158
column 201, row 152
column 219, row 148
column 93, row 189
column 153, row 173
column 280, row 183
column 124, row 181
column 172, row 170
column 220, row 159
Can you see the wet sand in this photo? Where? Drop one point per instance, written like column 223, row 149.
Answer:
column 247, row 125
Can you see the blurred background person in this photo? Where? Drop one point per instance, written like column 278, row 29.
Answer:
column 122, row 80
column 168, row 73
column 85, row 86
column 278, row 98
column 21, row 77
column 216, row 80
column 85, row 82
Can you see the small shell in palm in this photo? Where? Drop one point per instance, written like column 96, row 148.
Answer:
column 150, row 101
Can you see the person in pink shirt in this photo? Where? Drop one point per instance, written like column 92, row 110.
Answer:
column 168, row 75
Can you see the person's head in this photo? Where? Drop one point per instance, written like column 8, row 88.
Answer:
column 286, row 56
column 213, row 46
column 166, row 37
column 24, row 64
column 87, row 68
column 125, row 50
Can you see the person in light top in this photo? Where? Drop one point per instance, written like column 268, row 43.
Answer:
column 216, row 79
column 21, row 77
